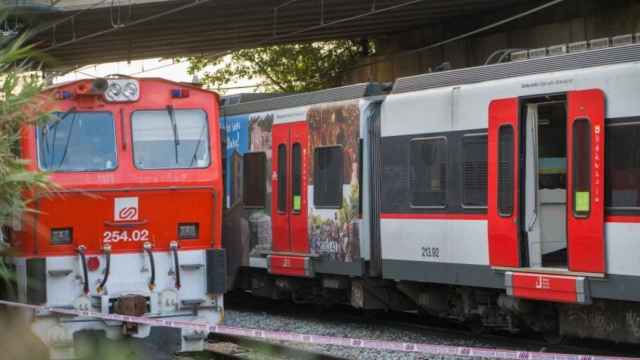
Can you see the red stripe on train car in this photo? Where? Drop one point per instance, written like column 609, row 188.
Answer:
column 630, row 219
column 434, row 216
column 290, row 265
column 556, row 288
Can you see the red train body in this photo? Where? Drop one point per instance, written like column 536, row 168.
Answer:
column 135, row 220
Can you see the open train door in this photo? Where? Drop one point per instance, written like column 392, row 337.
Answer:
column 585, row 165
column 504, row 157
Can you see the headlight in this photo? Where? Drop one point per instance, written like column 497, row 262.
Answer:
column 187, row 231
column 122, row 90
column 113, row 92
column 130, row 91
column 61, row 236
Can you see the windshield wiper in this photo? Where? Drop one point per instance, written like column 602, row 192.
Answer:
column 195, row 151
column 50, row 149
column 66, row 145
column 174, row 126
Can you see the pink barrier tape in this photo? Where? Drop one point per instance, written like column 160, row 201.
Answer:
column 431, row 349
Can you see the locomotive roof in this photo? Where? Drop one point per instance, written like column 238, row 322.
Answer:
column 145, row 79
column 570, row 61
column 316, row 97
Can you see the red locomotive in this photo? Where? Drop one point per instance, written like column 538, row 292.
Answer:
column 134, row 226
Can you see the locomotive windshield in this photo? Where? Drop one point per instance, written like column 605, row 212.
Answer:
column 77, row 141
column 170, row 139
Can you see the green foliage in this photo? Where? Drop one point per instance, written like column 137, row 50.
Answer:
column 21, row 103
column 283, row 68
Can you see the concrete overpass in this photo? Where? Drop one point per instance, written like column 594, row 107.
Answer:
column 83, row 32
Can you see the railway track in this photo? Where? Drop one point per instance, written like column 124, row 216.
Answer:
column 246, row 348
column 444, row 331
column 531, row 342
column 224, row 347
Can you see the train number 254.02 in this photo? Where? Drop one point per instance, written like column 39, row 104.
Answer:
column 116, row 236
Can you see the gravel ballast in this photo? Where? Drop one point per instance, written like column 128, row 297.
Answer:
column 330, row 326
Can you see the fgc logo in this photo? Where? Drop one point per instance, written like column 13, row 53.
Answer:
column 125, row 209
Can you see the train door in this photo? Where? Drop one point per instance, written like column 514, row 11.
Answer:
column 504, row 158
column 585, row 200
column 289, row 181
column 546, row 180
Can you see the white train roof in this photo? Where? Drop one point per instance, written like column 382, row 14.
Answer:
column 563, row 62
column 349, row 92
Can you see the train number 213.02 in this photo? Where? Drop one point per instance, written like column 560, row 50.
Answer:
column 430, row 252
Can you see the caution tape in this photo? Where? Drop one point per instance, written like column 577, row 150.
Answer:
column 430, row 349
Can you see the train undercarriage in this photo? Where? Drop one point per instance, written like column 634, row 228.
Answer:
column 480, row 309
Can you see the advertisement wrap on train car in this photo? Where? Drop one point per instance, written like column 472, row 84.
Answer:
column 333, row 231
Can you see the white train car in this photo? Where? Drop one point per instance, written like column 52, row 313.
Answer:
column 511, row 193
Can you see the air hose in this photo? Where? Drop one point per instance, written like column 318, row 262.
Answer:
column 81, row 251
column 152, row 282
column 174, row 249
column 107, row 254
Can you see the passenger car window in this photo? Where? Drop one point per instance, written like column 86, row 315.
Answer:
column 474, row 171
column 77, row 141
column 328, row 176
column 254, row 176
column 170, row 139
column 623, row 166
column 428, row 161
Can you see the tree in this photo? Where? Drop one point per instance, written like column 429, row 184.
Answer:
column 21, row 103
column 283, row 68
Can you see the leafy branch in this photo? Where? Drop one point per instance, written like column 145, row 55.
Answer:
column 283, row 68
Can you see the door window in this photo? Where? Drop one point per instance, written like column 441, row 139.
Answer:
column 505, row 170
column 296, row 154
column 581, row 167
column 282, row 178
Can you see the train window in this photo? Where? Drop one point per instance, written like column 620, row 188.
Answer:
column 255, row 179
column 623, row 166
column 78, row 141
column 428, row 172
column 505, row 170
column 474, row 171
column 170, row 139
column 328, row 176
column 296, row 154
column 282, row 177
column 581, row 167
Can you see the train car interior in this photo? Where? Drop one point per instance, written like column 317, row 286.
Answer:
column 545, row 220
